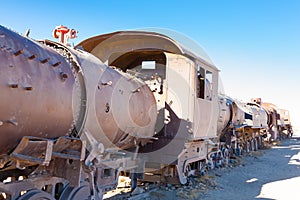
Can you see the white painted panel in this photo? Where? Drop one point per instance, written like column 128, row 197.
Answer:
column 179, row 88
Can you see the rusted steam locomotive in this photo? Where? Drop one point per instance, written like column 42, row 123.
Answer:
column 131, row 102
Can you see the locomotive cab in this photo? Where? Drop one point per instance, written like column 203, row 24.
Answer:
column 182, row 82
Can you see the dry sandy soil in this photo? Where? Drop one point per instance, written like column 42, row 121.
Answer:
column 273, row 175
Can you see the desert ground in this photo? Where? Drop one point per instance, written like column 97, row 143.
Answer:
column 273, row 175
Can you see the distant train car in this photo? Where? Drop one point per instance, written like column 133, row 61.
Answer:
column 279, row 123
column 246, row 124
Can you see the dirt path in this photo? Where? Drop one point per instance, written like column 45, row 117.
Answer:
column 273, row 175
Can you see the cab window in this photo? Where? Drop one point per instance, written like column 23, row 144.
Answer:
column 200, row 82
column 204, row 87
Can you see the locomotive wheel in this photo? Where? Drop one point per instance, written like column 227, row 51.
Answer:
column 226, row 156
column 219, row 157
column 255, row 144
column 211, row 161
column 258, row 142
column 238, row 151
column 79, row 193
column 189, row 171
column 251, row 143
column 36, row 195
column 246, row 147
column 201, row 168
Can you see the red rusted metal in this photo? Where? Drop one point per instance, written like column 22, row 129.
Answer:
column 63, row 33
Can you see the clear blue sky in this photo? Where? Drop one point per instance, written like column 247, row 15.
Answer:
column 255, row 43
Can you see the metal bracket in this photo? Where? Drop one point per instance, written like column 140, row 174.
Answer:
column 33, row 150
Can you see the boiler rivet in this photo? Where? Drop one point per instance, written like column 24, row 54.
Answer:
column 28, row 88
column 45, row 60
column 14, row 85
column 56, row 64
column 18, row 52
column 63, row 76
column 32, row 57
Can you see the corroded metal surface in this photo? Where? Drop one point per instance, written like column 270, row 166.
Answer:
column 111, row 113
column 36, row 85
